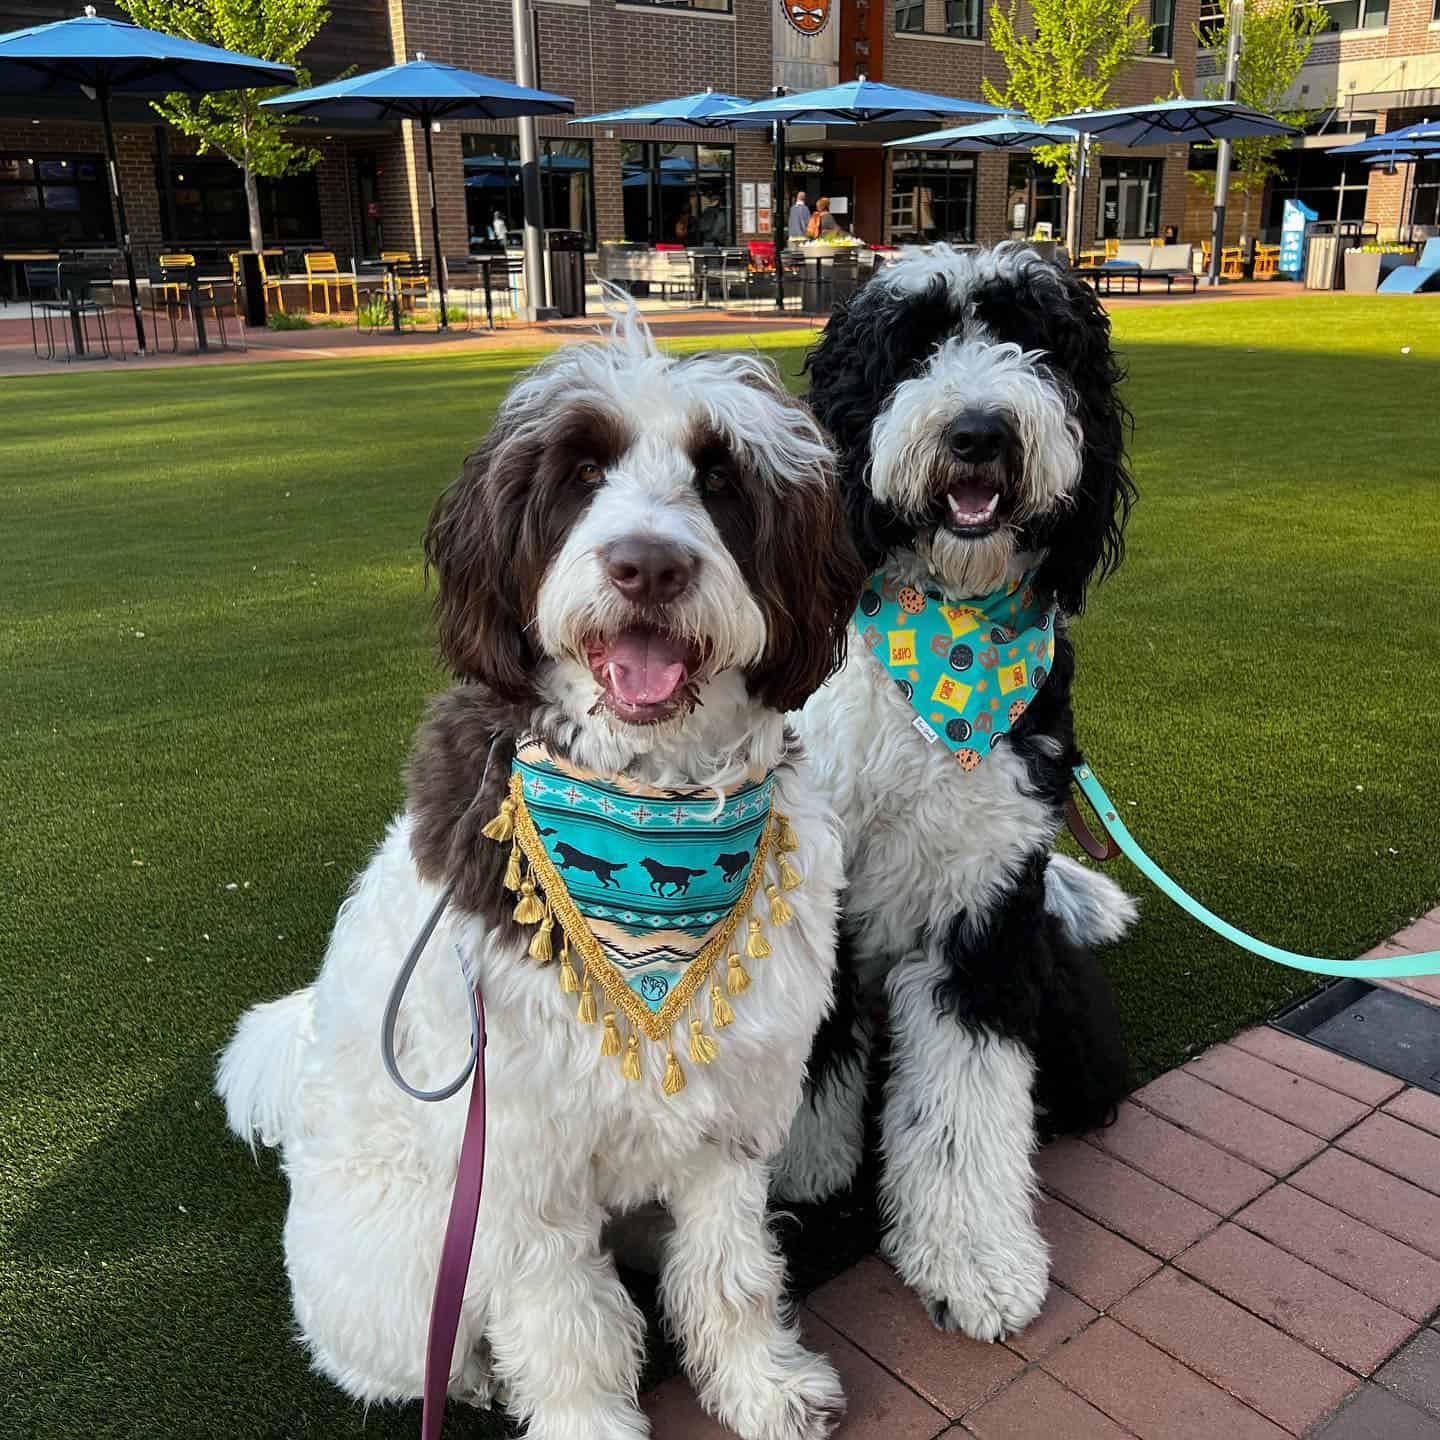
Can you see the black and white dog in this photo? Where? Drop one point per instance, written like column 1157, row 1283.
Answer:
column 645, row 566
column 973, row 402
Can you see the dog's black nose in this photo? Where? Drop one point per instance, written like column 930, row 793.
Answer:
column 976, row 436
column 650, row 572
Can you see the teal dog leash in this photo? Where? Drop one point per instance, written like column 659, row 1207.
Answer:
column 1392, row 967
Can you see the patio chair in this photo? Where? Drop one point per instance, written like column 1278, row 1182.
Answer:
column 1232, row 262
column 1267, row 262
column 268, row 283
column 42, row 282
column 414, row 281
column 78, row 310
column 322, row 269
column 211, row 300
column 1412, row 279
column 168, row 294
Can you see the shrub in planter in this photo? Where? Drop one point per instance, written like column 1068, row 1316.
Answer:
column 1368, row 265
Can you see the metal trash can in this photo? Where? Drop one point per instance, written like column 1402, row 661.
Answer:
column 1322, row 263
column 254, row 288
column 565, row 271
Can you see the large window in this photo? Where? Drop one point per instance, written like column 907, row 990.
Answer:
column 678, row 194
column 932, row 196
column 1162, row 27
column 1357, row 14
column 1032, row 198
column 1129, row 197
column 204, row 203
column 494, row 198
column 963, row 19
column 723, row 7
column 53, row 200
column 1426, row 206
column 1334, row 186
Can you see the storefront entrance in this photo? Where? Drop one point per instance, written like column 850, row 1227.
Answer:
column 1129, row 198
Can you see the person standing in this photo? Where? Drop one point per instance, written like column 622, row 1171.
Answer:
column 799, row 217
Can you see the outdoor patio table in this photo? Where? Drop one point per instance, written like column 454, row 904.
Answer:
column 21, row 258
column 485, row 264
column 198, row 282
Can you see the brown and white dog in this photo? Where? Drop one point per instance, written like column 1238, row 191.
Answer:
column 645, row 565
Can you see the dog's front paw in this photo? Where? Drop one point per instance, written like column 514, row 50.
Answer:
column 800, row 1399
column 998, row 1294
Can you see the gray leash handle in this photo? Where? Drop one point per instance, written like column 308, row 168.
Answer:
column 402, row 983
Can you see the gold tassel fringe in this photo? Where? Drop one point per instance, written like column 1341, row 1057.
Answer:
column 630, row 1065
column 737, row 979
column 757, row 947
column 610, row 1038
column 540, row 946
column 588, row 1011
column 780, row 911
column 790, row 877
column 569, row 980
column 512, row 867
column 702, row 1048
column 720, row 1012
column 674, row 1081
column 529, row 910
column 502, row 827
column 786, row 838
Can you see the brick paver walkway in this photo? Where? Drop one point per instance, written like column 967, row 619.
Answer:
column 1252, row 1250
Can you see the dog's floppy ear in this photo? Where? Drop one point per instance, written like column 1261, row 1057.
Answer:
column 479, row 605
column 807, row 576
column 882, row 336
column 1088, row 541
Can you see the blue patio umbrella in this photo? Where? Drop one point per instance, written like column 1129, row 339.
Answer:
column 1004, row 132
column 1408, row 146
column 1164, row 122
column 698, row 109
column 101, row 58
column 424, row 91
column 856, row 102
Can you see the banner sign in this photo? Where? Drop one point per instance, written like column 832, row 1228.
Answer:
column 1292, row 238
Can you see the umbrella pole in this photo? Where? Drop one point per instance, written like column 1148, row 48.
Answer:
column 103, row 94
column 779, row 222
column 435, row 223
column 1403, row 227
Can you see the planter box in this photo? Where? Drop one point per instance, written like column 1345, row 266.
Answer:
column 1364, row 270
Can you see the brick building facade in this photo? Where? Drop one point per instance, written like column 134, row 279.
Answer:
column 613, row 182
column 1375, row 69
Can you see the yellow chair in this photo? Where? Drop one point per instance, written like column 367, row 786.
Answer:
column 275, row 287
column 169, row 292
column 407, row 284
column 322, row 269
column 1232, row 262
column 1267, row 262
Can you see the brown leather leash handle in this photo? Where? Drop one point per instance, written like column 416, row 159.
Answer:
column 1085, row 836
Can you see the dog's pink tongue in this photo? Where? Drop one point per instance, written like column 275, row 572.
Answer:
column 644, row 668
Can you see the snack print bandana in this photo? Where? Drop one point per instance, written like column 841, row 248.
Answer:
column 650, row 882
column 969, row 668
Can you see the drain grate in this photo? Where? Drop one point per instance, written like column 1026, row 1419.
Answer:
column 1381, row 1028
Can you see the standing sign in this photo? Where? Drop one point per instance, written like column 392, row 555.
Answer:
column 1298, row 215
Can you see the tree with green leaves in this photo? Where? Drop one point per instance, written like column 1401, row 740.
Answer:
column 1275, row 41
column 232, row 123
column 1065, row 63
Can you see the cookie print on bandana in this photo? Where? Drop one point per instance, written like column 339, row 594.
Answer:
column 943, row 654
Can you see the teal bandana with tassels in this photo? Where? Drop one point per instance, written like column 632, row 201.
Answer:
column 649, row 885
column 969, row 667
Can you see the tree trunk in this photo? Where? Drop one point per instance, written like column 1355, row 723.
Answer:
column 1245, row 211
column 1072, row 220
column 252, row 204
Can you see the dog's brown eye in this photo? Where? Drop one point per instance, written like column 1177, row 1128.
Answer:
column 589, row 473
column 715, row 478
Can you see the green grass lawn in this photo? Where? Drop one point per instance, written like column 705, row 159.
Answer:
column 214, row 642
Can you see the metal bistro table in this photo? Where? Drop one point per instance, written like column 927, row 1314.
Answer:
column 198, row 282
column 1106, row 276
column 392, row 289
column 485, row 264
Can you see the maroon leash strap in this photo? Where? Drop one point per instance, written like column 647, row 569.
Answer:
column 1085, row 837
column 455, row 1251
